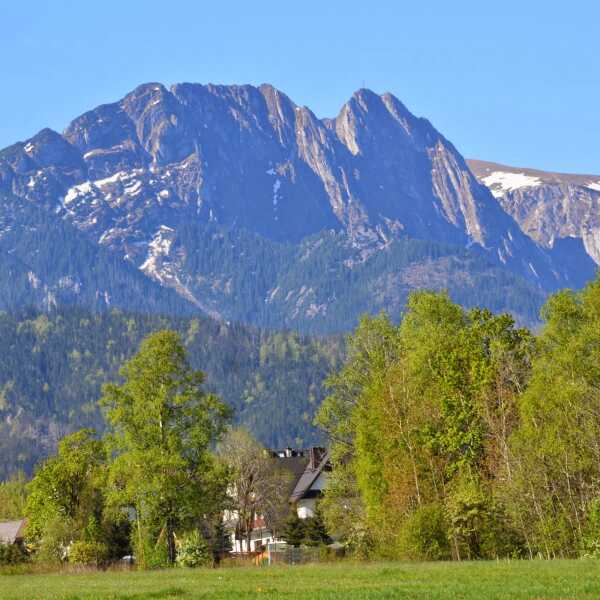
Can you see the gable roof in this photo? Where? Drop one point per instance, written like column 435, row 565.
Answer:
column 11, row 531
column 303, row 466
column 292, row 467
column 310, row 475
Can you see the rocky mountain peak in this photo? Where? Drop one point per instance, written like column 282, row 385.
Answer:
column 136, row 174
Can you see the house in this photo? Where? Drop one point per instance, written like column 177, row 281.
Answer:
column 309, row 487
column 12, row 532
column 308, row 470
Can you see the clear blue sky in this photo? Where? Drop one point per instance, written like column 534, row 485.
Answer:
column 513, row 81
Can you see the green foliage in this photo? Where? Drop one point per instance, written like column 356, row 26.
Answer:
column 424, row 534
column 13, row 497
column 293, row 530
column 56, row 537
column 479, row 525
column 193, row 551
column 162, row 426
column 590, row 541
column 148, row 553
column 68, row 486
column 88, row 553
column 341, row 505
column 315, row 531
column 12, row 554
column 421, row 416
column 359, row 542
column 557, row 447
column 54, row 366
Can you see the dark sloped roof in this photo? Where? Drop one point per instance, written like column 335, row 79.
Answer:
column 303, row 467
column 293, row 466
column 310, row 475
column 11, row 531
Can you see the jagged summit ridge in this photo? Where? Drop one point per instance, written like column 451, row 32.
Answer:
column 134, row 175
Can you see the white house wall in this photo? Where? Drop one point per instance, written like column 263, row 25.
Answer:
column 306, row 508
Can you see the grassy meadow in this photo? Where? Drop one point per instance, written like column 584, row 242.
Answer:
column 539, row 580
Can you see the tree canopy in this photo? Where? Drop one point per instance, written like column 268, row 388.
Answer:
column 163, row 425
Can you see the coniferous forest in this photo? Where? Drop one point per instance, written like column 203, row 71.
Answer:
column 54, row 365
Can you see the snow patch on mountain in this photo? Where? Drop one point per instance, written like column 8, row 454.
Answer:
column 76, row 191
column 500, row 182
column 276, row 188
column 126, row 183
column 34, row 280
column 158, row 248
column 594, row 185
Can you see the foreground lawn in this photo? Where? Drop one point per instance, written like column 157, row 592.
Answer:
column 478, row 581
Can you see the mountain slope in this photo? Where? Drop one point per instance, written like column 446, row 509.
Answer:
column 219, row 192
column 53, row 366
column 46, row 262
column 561, row 212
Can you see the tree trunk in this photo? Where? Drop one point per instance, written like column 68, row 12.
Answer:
column 248, row 537
column 171, row 550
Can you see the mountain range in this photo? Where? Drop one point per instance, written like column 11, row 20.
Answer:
column 234, row 202
column 215, row 209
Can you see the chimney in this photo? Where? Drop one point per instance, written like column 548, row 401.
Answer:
column 312, row 458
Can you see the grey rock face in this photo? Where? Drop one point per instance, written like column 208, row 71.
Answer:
column 551, row 208
column 134, row 174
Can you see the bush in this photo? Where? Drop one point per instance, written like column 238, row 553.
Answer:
column 193, row 551
column 12, row 554
column 315, row 533
column 424, row 535
column 88, row 553
column 479, row 525
column 590, row 542
column 360, row 543
column 55, row 541
column 294, row 529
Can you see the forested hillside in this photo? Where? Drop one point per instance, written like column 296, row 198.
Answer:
column 325, row 283
column 53, row 366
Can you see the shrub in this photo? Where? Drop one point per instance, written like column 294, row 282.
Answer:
column 294, row 529
column 424, row 535
column 88, row 553
column 193, row 551
column 360, row 543
column 590, row 542
column 12, row 554
column 479, row 525
column 315, row 533
column 56, row 539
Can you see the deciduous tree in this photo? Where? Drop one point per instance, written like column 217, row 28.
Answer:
column 163, row 425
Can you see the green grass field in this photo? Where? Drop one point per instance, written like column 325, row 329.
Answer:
column 537, row 580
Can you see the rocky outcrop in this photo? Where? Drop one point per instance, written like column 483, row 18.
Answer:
column 133, row 175
column 554, row 209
